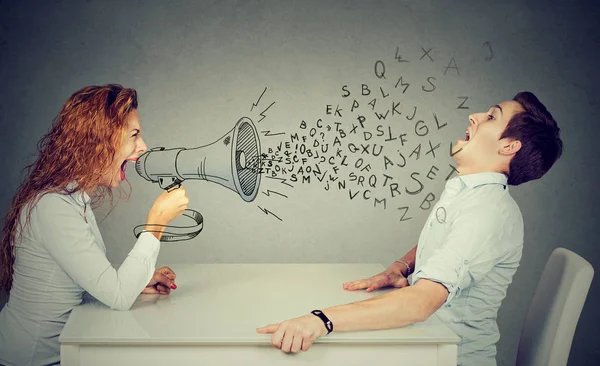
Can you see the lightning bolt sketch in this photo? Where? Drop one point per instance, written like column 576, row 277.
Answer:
column 262, row 113
column 258, row 101
column 282, row 180
column 590, row 97
column 268, row 193
column 269, row 212
column 268, row 133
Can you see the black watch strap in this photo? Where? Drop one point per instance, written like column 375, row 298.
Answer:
column 325, row 319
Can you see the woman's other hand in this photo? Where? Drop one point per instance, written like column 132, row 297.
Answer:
column 162, row 282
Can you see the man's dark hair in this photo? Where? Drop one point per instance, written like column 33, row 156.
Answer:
column 540, row 140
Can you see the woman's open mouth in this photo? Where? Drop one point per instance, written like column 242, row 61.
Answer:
column 123, row 167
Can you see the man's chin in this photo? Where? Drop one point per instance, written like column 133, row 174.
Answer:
column 457, row 148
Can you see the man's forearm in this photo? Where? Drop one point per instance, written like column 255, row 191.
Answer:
column 409, row 259
column 394, row 309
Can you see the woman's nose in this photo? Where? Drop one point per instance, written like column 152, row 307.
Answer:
column 142, row 148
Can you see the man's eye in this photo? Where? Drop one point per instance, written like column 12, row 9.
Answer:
column 490, row 117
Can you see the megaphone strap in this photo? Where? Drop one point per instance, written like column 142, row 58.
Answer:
column 181, row 232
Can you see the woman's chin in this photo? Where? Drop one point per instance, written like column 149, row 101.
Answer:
column 115, row 183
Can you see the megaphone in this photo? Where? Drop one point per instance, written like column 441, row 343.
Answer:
column 232, row 161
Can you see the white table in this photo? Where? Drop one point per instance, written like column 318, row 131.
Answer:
column 211, row 319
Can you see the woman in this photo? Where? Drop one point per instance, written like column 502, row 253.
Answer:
column 51, row 250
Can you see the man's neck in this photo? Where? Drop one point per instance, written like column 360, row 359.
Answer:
column 466, row 170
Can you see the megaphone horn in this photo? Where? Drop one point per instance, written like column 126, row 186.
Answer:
column 232, row 161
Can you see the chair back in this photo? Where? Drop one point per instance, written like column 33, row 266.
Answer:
column 554, row 311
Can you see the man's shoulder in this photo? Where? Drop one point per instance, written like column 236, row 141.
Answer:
column 496, row 214
column 493, row 199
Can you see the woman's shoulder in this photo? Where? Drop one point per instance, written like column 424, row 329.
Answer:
column 57, row 202
column 47, row 211
column 52, row 198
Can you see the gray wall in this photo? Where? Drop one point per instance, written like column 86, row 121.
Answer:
column 200, row 66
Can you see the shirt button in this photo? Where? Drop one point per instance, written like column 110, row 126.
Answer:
column 466, row 262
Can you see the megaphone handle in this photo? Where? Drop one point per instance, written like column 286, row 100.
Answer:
column 173, row 186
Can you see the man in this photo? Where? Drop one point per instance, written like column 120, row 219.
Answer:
column 469, row 248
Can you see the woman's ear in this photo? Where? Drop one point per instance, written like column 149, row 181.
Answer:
column 509, row 146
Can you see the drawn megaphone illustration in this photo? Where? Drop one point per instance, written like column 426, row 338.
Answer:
column 232, row 161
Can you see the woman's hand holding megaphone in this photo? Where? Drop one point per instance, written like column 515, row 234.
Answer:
column 169, row 205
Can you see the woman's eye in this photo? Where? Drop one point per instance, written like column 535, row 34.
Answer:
column 490, row 117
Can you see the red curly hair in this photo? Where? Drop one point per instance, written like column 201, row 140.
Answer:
column 80, row 146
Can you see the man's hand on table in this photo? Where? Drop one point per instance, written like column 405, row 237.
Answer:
column 295, row 334
column 393, row 276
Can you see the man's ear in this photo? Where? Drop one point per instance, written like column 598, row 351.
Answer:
column 509, row 146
